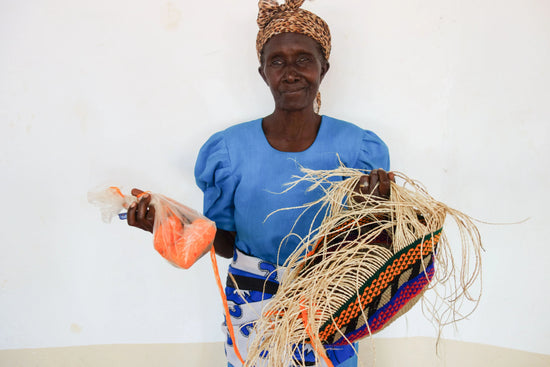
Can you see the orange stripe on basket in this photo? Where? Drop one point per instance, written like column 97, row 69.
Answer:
column 379, row 284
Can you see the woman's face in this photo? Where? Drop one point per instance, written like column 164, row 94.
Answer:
column 293, row 67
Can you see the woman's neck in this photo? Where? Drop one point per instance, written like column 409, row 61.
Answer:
column 291, row 131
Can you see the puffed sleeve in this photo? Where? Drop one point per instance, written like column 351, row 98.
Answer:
column 373, row 153
column 213, row 175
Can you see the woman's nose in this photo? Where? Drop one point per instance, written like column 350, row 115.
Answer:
column 291, row 75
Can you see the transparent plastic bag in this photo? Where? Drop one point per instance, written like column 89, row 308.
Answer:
column 180, row 234
column 110, row 201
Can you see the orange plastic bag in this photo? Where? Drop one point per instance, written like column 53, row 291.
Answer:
column 180, row 234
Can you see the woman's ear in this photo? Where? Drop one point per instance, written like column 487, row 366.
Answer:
column 261, row 71
column 324, row 69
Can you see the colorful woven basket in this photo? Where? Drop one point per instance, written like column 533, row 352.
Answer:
column 385, row 296
column 367, row 264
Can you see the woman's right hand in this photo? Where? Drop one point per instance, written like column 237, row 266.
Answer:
column 141, row 214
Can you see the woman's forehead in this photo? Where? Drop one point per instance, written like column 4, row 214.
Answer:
column 290, row 42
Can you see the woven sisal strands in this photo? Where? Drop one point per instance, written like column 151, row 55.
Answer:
column 369, row 262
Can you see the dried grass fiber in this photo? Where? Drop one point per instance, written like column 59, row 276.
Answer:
column 316, row 286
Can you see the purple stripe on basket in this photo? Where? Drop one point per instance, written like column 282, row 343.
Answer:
column 405, row 293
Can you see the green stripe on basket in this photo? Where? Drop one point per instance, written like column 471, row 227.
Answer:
column 377, row 274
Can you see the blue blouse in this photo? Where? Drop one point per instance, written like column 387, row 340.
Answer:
column 243, row 177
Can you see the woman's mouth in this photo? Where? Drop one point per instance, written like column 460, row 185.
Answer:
column 293, row 91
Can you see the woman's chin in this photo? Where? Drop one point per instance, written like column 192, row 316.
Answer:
column 294, row 105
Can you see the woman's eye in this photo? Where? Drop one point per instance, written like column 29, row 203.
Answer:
column 303, row 59
column 276, row 62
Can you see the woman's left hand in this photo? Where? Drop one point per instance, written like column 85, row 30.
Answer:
column 376, row 183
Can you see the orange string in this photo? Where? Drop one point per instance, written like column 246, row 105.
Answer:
column 143, row 193
column 310, row 334
column 225, row 306
column 117, row 190
column 230, row 324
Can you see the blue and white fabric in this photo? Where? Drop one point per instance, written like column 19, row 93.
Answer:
column 245, row 307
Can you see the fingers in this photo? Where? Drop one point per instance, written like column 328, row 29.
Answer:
column 377, row 183
column 143, row 207
column 140, row 213
column 363, row 187
column 373, row 183
column 384, row 186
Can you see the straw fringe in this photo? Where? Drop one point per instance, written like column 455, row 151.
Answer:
column 324, row 280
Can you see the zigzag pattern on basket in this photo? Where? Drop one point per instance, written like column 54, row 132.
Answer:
column 381, row 289
column 393, row 309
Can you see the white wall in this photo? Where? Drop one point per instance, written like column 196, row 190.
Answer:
column 123, row 92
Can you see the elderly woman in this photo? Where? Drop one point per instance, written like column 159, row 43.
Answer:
column 243, row 170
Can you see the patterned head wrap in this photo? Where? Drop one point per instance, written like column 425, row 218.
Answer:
column 275, row 19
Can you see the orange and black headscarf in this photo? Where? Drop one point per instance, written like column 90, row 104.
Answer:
column 275, row 18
